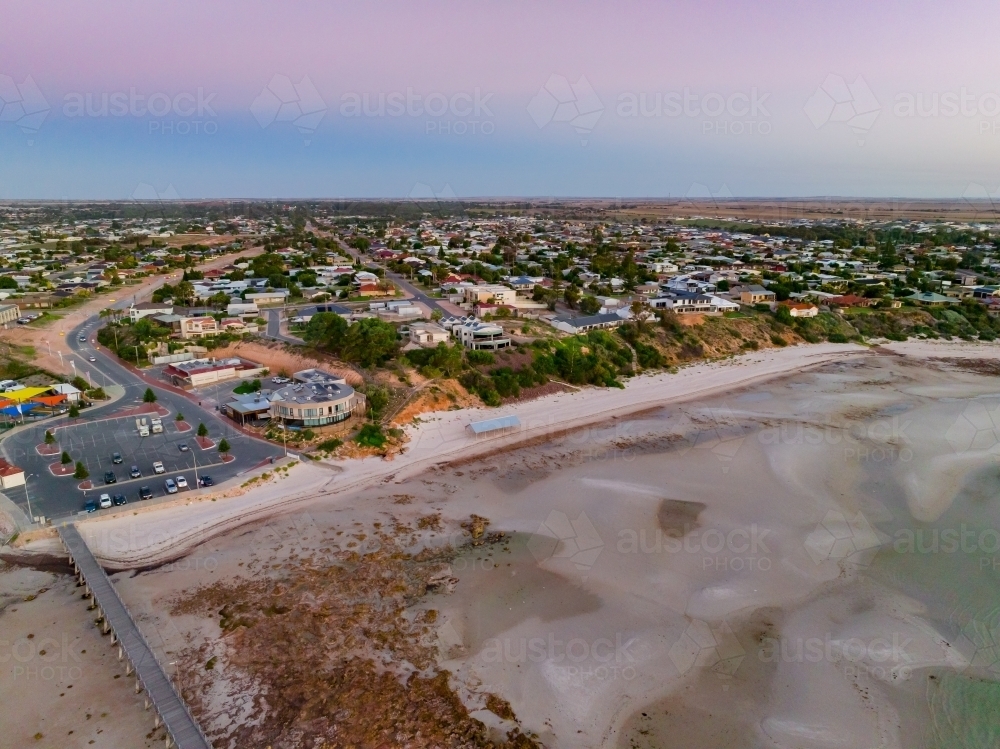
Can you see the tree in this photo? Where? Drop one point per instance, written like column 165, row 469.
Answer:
column 81, row 471
column 179, row 416
column 377, row 398
column 65, row 460
column 369, row 342
column 79, row 383
column 641, row 314
column 590, row 305
column 326, row 329
column 149, row 396
column 74, row 411
column 202, row 430
column 49, row 437
column 224, row 447
column 571, row 296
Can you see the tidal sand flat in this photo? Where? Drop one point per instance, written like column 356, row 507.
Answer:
column 808, row 562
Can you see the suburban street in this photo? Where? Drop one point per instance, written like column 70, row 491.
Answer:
column 94, row 437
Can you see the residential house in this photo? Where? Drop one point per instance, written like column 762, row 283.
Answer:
column 144, row 309
column 489, row 294
column 800, row 309
column 9, row 313
column 755, row 294
column 477, row 335
column 570, row 324
column 428, row 334
column 199, row 372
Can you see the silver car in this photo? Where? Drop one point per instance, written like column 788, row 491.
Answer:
column 171, row 487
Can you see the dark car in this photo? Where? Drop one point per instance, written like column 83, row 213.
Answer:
column 90, row 506
column 134, row 472
column 110, row 478
column 118, row 500
column 116, row 458
column 206, row 481
column 183, row 446
column 145, row 492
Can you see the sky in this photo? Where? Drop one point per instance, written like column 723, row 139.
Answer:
column 302, row 99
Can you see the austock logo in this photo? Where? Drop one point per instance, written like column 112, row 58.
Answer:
column 838, row 102
column 561, row 101
column 283, row 101
column 712, row 646
column 575, row 540
column 22, row 104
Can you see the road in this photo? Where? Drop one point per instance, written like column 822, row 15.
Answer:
column 93, row 439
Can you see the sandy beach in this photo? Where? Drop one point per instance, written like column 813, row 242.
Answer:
column 738, row 554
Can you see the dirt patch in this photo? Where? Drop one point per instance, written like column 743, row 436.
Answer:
column 677, row 517
column 441, row 396
column 182, row 426
column 44, row 449
column 204, row 443
column 279, row 357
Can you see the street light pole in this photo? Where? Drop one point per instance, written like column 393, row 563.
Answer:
column 31, row 514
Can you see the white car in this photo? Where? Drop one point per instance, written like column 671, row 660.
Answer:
column 280, row 380
column 93, row 358
column 158, row 467
column 170, row 486
column 182, row 483
column 105, row 501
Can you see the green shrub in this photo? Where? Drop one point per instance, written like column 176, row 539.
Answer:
column 370, row 436
column 480, row 357
column 329, row 445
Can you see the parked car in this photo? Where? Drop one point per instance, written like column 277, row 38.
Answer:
column 116, row 458
column 280, row 380
column 145, row 492
column 170, row 486
column 158, row 467
column 110, row 478
column 118, row 500
column 183, row 447
column 90, row 506
column 134, row 472
column 105, row 501
column 182, row 483
column 206, row 481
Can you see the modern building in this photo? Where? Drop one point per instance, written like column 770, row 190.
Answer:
column 315, row 399
column 196, row 327
column 489, row 293
column 199, row 372
column 249, row 408
column 685, row 303
column 478, row 335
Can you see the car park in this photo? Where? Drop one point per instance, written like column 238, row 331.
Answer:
column 182, row 483
column 206, row 481
column 110, row 478
column 158, row 467
column 118, row 500
column 170, row 486
column 105, row 501
column 90, row 506
column 134, row 472
column 183, row 447
column 116, row 458
column 145, row 492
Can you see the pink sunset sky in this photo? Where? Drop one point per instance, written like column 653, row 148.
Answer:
column 785, row 50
